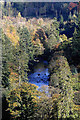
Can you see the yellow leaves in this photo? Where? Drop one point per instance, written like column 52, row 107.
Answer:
column 35, row 99
column 77, row 107
column 25, row 95
column 55, row 97
column 34, row 86
column 23, row 90
column 13, row 73
column 40, row 21
column 63, row 38
column 12, row 34
column 19, row 14
column 15, row 113
column 13, row 79
column 14, row 76
column 18, row 95
column 57, row 45
column 24, row 105
column 74, row 16
column 15, row 104
column 29, row 86
column 9, row 105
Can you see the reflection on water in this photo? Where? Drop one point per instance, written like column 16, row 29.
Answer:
column 40, row 74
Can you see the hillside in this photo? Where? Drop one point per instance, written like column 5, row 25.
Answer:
column 40, row 40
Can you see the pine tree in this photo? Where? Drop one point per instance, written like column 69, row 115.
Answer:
column 61, row 77
column 26, row 42
column 61, row 22
column 24, row 53
column 70, row 16
column 76, row 41
column 7, row 57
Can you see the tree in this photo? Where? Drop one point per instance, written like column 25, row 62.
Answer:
column 22, row 101
column 16, row 55
column 38, row 38
column 19, row 14
column 52, row 33
column 25, row 40
column 74, row 18
column 61, row 22
column 24, row 53
column 61, row 77
column 76, row 41
column 47, row 104
column 7, row 57
column 69, row 17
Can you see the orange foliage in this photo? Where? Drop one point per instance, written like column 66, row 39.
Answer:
column 57, row 45
column 12, row 34
column 13, row 75
column 36, row 40
column 55, row 96
column 77, row 107
column 72, row 5
column 37, row 35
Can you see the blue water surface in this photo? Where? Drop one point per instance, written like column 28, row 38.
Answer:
column 40, row 74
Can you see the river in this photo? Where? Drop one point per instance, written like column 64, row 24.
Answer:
column 40, row 74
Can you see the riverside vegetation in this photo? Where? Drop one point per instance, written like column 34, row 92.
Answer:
column 25, row 40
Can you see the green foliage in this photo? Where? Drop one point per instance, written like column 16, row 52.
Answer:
column 75, row 19
column 52, row 41
column 39, row 41
column 25, row 42
column 6, row 58
column 19, row 49
column 24, row 53
column 18, row 55
column 7, row 9
column 76, row 41
column 61, row 22
column 65, row 44
column 61, row 77
column 76, row 82
column 52, row 33
column 70, row 16
column 47, row 104
column 22, row 100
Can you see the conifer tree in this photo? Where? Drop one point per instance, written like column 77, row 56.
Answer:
column 22, row 101
column 25, row 40
column 7, row 57
column 61, row 77
column 70, row 16
column 61, row 22
column 76, row 40
column 24, row 53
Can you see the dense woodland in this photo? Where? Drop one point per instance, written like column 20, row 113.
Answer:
column 34, row 30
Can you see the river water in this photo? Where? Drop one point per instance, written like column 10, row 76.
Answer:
column 40, row 74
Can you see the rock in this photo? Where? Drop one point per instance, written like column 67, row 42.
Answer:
column 38, row 74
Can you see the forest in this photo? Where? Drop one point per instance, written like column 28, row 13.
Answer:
column 40, row 60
